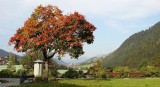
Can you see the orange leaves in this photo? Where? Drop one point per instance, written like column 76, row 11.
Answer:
column 62, row 51
column 49, row 29
column 69, row 38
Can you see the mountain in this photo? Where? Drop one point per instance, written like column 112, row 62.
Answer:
column 139, row 49
column 93, row 60
column 60, row 62
column 74, row 61
column 4, row 53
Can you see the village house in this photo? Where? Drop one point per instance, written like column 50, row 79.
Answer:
column 3, row 60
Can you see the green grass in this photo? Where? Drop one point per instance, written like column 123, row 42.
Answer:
column 5, row 67
column 151, row 82
column 62, row 71
column 84, row 66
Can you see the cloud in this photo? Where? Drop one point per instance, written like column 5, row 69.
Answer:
column 124, row 28
column 141, row 9
column 124, row 9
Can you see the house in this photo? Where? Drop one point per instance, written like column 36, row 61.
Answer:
column 3, row 60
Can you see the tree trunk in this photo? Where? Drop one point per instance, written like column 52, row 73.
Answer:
column 46, row 70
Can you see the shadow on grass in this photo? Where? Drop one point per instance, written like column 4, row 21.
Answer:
column 50, row 84
column 67, row 85
column 99, row 79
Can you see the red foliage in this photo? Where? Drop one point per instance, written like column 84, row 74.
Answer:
column 49, row 30
column 136, row 74
column 114, row 74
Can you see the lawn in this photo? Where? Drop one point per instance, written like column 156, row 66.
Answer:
column 151, row 82
column 5, row 67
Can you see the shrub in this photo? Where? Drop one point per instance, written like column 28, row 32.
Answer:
column 80, row 74
column 70, row 74
column 136, row 74
column 39, row 79
column 54, row 73
column 114, row 74
column 20, row 71
column 6, row 73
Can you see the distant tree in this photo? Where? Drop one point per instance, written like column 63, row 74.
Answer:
column 54, row 73
column 53, row 33
column 11, row 62
column 156, row 61
column 96, row 70
column 109, row 69
column 71, row 73
column 28, row 59
column 121, row 69
column 80, row 74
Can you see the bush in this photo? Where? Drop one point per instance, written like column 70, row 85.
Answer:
column 54, row 73
column 20, row 71
column 81, row 74
column 114, row 74
column 103, row 76
column 70, row 74
column 6, row 73
column 39, row 79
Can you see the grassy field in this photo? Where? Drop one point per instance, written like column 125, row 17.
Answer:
column 150, row 82
column 5, row 67
column 83, row 66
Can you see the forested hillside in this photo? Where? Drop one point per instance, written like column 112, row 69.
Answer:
column 140, row 49
column 4, row 53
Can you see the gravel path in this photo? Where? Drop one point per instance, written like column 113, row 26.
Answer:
column 12, row 82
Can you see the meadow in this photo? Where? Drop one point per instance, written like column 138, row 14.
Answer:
column 142, row 82
column 5, row 67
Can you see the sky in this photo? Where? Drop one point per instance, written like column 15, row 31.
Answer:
column 115, row 20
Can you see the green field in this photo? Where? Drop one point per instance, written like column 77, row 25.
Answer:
column 5, row 67
column 84, row 66
column 149, row 82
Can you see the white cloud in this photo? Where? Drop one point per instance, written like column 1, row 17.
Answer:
column 141, row 9
column 107, row 8
column 124, row 28
column 128, row 9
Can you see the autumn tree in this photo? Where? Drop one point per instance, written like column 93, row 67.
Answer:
column 53, row 33
column 96, row 70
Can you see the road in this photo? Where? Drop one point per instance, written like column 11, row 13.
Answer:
column 11, row 82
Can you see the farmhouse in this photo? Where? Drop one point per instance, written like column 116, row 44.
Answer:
column 3, row 60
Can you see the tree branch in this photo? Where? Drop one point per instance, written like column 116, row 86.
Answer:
column 45, row 55
column 49, row 57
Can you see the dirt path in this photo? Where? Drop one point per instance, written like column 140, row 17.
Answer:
column 12, row 81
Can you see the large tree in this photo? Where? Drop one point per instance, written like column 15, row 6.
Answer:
column 53, row 33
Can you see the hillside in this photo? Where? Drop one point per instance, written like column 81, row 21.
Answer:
column 139, row 49
column 4, row 53
column 60, row 62
column 92, row 60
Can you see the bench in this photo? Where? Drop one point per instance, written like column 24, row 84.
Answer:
column 30, row 79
